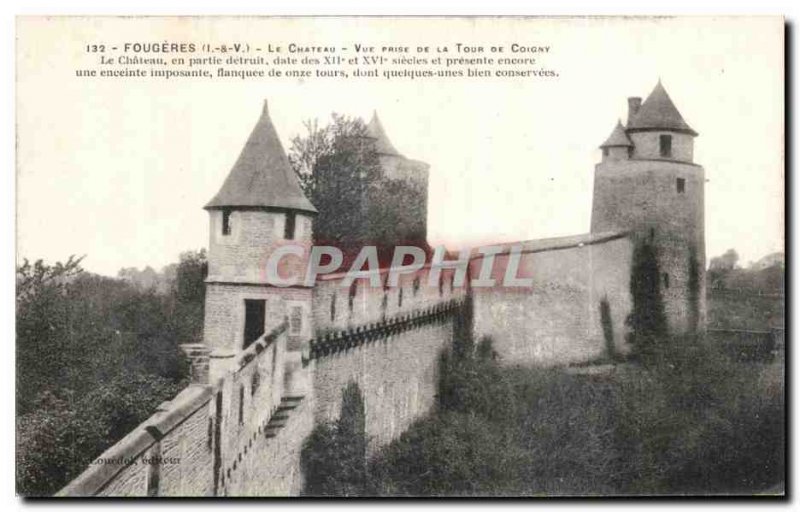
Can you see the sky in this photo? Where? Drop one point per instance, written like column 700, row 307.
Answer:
column 120, row 170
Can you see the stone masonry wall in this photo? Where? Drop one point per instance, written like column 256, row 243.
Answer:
column 642, row 196
column 557, row 321
column 396, row 371
column 332, row 302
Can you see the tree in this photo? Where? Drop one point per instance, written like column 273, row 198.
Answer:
column 95, row 356
column 334, row 456
column 727, row 261
column 337, row 166
column 647, row 318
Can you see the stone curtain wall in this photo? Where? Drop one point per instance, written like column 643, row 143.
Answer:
column 395, row 364
column 339, row 308
column 558, row 321
column 388, row 340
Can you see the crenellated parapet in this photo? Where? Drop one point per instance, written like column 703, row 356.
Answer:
column 383, row 330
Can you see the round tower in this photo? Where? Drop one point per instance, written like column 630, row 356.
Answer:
column 399, row 215
column 648, row 184
column 259, row 208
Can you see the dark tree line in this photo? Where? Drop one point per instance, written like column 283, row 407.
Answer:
column 95, row 356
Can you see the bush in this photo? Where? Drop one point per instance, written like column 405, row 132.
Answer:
column 95, row 356
column 62, row 436
column 334, row 455
column 451, row 453
column 689, row 421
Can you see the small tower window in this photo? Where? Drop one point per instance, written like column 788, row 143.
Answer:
column 665, row 145
column 666, row 280
column 288, row 228
column 226, row 222
column 680, row 185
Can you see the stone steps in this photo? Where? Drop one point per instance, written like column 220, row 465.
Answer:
column 281, row 415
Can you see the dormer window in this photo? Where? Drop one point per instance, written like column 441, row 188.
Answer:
column 288, row 228
column 665, row 145
column 226, row 222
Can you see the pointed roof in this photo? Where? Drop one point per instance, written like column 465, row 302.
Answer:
column 382, row 144
column 659, row 113
column 262, row 176
column 617, row 138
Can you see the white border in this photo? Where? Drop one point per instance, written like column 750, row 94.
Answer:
column 8, row 11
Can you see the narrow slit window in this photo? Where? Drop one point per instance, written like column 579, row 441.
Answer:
column 665, row 145
column 296, row 321
column 288, row 228
column 680, row 185
column 351, row 296
column 666, row 280
column 241, row 405
column 226, row 222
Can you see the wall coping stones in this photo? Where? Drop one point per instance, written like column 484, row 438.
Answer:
column 168, row 416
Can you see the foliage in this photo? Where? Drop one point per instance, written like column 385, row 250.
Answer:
column 746, row 298
column 61, row 436
column 694, row 421
column 32, row 278
column 449, row 454
column 340, row 172
column 608, row 329
column 95, row 355
column 336, row 165
column 334, row 455
column 727, row 261
column 647, row 319
column 475, row 386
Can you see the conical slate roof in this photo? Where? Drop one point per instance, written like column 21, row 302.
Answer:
column 617, row 138
column 262, row 176
column 382, row 144
column 659, row 113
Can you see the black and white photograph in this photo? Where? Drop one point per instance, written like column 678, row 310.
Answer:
column 400, row 257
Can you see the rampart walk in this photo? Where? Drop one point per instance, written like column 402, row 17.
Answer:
column 243, row 434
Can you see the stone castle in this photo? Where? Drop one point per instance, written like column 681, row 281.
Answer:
column 274, row 361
